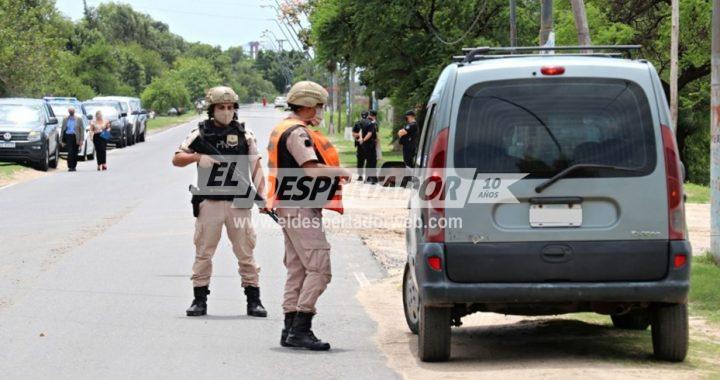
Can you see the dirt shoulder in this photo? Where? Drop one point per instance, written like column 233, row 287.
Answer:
column 491, row 345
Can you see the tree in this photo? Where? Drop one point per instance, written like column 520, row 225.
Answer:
column 165, row 93
column 97, row 67
column 197, row 75
column 31, row 46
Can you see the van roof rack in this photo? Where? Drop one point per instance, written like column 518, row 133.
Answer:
column 480, row 53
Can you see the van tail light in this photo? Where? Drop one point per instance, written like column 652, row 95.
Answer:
column 676, row 214
column 435, row 263
column 552, row 70
column 680, row 260
column 434, row 228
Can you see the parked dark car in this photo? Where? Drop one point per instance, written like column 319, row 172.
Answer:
column 29, row 133
column 112, row 112
column 136, row 115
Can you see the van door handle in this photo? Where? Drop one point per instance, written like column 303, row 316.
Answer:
column 557, row 253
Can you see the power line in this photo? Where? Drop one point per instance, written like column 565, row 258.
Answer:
column 467, row 32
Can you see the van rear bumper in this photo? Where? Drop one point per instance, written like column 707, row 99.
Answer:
column 436, row 289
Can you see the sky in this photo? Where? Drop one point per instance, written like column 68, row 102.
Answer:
column 216, row 22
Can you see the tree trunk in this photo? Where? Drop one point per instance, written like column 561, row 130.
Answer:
column 546, row 21
column 581, row 22
column 715, row 139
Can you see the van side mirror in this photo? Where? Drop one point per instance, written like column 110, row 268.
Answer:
column 124, row 114
column 136, row 112
column 52, row 121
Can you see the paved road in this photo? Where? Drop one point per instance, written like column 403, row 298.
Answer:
column 94, row 281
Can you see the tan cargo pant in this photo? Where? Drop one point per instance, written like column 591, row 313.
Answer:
column 307, row 259
column 208, row 229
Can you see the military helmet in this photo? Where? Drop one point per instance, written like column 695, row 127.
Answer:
column 372, row 113
column 220, row 95
column 307, row 94
column 364, row 114
column 410, row 113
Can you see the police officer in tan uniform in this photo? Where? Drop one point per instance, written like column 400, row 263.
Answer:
column 295, row 145
column 222, row 135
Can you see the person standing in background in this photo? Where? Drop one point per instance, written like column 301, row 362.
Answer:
column 357, row 133
column 408, row 137
column 368, row 144
column 73, row 135
column 97, row 126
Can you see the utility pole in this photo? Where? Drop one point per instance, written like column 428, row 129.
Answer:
column 513, row 23
column 715, row 135
column 674, row 47
column 581, row 22
column 546, row 20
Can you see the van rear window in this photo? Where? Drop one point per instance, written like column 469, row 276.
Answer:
column 542, row 127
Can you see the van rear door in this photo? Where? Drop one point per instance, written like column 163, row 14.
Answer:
column 605, row 219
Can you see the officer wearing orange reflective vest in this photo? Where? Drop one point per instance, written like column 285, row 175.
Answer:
column 295, row 146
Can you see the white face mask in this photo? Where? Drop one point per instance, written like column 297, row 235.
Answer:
column 319, row 116
column 224, row 117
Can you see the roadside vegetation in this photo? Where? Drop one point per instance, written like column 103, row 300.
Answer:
column 704, row 295
column 347, row 149
column 704, row 351
column 697, row 193
column 114, row 50
column 426, row 34
column 7, row 169
column 161, row 122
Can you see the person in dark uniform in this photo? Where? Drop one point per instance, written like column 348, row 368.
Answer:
column 408, row 138
column 357, row 133
column 217, row 204
column 368, row 145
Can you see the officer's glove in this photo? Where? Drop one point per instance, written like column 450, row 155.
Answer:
column 207, row 162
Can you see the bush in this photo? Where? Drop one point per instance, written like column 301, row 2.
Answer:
column 697, row 157
column 166, row 92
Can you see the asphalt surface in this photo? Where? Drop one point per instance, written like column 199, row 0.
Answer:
column 94, row 281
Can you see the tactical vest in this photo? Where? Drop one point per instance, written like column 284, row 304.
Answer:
column 279, row 158
column 227, row 145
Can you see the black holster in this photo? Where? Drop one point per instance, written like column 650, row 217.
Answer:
column 195, row 201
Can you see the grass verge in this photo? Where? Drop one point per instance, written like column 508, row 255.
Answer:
column 704, row 302
column 7, row 169
column 161, row 122
column 697, row 193
column 347, row 149
column 704, row 294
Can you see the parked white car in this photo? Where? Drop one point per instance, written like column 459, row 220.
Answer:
column 60, row 108
column 281, row 102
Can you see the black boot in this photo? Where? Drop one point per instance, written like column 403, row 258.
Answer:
column 255, row 308
column 199, row 304
column 301, row 334
column 289, row 317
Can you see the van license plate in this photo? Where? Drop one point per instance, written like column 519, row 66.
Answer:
column 7, row 144
column 555, row 215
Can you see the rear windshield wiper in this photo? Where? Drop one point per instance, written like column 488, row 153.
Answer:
column 576, row 167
